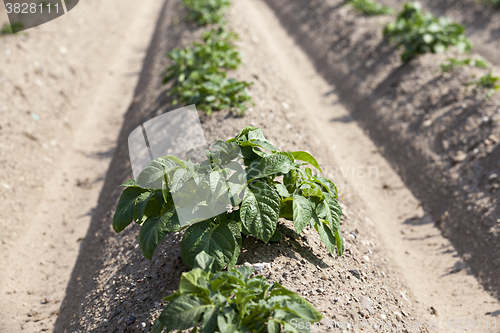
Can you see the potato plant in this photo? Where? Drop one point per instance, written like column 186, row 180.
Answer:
column 198, row 74
column 418, row 33
column 370, row 8
column 488, row 82
column 232, row 301
column 271, row 184
column 494, row 3
column 205, row 12
column 453, row 63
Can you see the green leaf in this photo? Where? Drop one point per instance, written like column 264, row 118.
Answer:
column 183, row 312
column 273, row 326
column 335, row 212
column 236, row 229
column 328, row 184
column 259, row 143
column 155, row 204
column 313, row 314
column 155, row 229
column 125, row 211
column 130, row 183
column 152, row 176
column 302, row 211
column 194, row 282
column 311, row 190
column 306, row 157
column 227, row 321
column 290, row 180
column 428, row 38
column 282, row 191
column 269, row 165
column 292, row 323
column 259, row 210
column 439, row 48
column 203, row 261
column 325, row 234
column 303, row 311
column 243, row 133
column 256, row 134
column 286, row 208
column 141, row 204
column 209, row 323
column 218, row 242
column 340, row 243
column 178, row 179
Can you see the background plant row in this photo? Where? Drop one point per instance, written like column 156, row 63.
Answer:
column 418, row 32
column 199, row 72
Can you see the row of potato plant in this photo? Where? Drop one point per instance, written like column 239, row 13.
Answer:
column 199, row 72
column 418, row 32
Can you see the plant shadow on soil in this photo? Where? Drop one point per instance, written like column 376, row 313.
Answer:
column 291, row 246
column 369, row 75
column 92, row 267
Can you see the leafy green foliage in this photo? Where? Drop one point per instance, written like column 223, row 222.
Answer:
column 216, row 53
column 488, row 82
column 452, row 63
column 206, row 11
column 494, row 3
column 8, row 29
column 233, row 301
column 420, row 32
column 198, row 72
column 370, row 8
column 301, row 196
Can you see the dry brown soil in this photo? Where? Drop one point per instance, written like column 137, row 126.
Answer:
column 64, row 88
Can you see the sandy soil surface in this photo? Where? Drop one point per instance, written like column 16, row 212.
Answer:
column 442, row 282
column 441, row 136
column 409, row 272
column 64, row 88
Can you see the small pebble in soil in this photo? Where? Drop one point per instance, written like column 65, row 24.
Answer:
column 47, row 299
column 260, row 266
column 460, row 156
column 130, row 320
column 365, row 302
column 356, row 273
